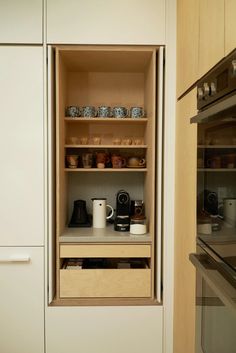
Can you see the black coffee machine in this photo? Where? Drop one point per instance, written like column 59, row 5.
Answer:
column 122, row 219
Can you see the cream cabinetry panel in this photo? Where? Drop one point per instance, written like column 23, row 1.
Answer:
column 22, row 300
column 21, row 141
column 21, row 21
column 106, row 22
column 211, row 35
column 187, row 44
column 133, row 329
column 185, row 223
column 230, row 26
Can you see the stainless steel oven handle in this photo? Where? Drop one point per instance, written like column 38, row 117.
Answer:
column 218, row 283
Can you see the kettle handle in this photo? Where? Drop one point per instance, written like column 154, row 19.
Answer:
column 112, row 212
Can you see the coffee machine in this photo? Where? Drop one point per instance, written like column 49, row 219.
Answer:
column 122, row 219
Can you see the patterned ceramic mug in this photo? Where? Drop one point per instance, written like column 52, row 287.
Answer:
column 137, row 112
column 72, row 111
column 104, row 112
column 88, row 112
column 120, row 112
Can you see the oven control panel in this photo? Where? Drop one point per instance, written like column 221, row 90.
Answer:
column 219, row 82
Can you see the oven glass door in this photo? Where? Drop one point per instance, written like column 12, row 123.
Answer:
column 218, row 323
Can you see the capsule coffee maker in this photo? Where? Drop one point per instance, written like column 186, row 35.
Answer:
column 122, row 219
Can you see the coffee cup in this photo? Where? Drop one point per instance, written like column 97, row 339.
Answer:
column 118, row 161
column 214, row 162
column 104, row 112
column 120, row 112
column 137, row 112
column 88, row 112
column 102, row 158
column 127, row 141
column 84, row 140
column 96, row 140
column 73, row 140
column 136, row 162
column 116, row 141
column 72, row 161
column 72, row 111
column 87, row 160
column 138, row 141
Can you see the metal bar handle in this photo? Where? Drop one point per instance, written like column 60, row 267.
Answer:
column 218, row 283
column 14, row 258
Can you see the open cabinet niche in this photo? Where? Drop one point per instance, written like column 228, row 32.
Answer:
column 107, row 76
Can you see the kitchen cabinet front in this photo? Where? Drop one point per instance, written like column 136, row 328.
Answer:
column 211, row 34
column 185, row 218
column 106, row 22
column 21, row 152
column 187, row 48
column 21, row 21
column 230, row 26
column 22, row 300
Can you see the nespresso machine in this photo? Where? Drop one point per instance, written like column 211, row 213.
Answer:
column 122, row 219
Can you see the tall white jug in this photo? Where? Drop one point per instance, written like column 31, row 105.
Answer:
column 100, row 212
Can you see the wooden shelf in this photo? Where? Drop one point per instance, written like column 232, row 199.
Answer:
column 216, row 169
column 107, row 120
column 107, row 146
column 106, row 170
column 107, row 235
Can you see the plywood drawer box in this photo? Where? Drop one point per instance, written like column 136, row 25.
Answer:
column 105, row 283
column 103, row 250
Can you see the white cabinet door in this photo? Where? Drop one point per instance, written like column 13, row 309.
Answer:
column 106, row 22
column 21, row 21
column 21, row 146
column 21, row 300
column 104, row 329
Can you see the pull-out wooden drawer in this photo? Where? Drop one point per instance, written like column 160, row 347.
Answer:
column 105, row 250
column 105, row 283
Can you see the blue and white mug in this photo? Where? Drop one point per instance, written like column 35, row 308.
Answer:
column 72, row 111
column 120, row 112
column 104, row 112
column 88, row 112
column 137, row 112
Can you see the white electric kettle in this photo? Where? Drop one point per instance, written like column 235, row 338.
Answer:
column 100, row 212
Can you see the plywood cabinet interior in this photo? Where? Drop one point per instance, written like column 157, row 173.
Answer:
column 230, row 26
column 185, row 223
column 111, row 76
column 211, row 34
column 187, row 44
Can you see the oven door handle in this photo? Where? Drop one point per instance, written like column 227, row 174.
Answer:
column 218, row 283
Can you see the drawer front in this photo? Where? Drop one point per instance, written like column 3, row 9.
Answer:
column 105, row 283
column 84, row 251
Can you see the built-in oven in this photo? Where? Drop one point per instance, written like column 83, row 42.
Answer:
column 215, row 260
column 215, row 301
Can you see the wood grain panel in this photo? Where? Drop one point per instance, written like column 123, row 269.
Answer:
column 105, row 283
column 230, row 26
column 96, row 250
column 185, row 224
column 211, row 34
column 187, row 44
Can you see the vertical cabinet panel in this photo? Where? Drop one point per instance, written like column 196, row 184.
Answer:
column 21, row 300
column 211, row 36
column 230, row 26
column 185, row 223
column 187, row 44
column 21, row 21
column 21, row 146
column 106, row 22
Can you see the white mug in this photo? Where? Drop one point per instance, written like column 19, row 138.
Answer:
column 100, row 212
